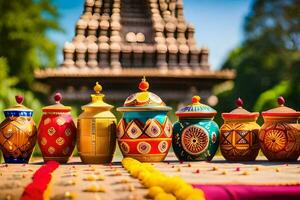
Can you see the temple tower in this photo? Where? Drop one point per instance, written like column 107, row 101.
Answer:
column 117, row 42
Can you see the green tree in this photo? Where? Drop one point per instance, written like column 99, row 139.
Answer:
column 8, row 92
column 23, row 37
column 267, row 59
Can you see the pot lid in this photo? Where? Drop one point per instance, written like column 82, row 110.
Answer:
column 97, row 100
column 19, row 109
column 240, row 112
column 196, row 109
column 57, row 107
column 144, row 100
column 281, row 110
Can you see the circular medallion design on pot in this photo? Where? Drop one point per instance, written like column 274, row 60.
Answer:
column 60, row 141
column 125, row 147
column 51, row 150
column 68, row 132
column 60, row 121
column 47, row 121
column 44, row 141
column 163, row 146
column 142, row 97
column 275, row 140
column 51, row 131
column 143, row 147
column 194, row 140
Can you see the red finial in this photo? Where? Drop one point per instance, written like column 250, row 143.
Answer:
column 239, row 102
column 57, row 97
column 144, row 85
column 196, row 99
column 19, row 99
column 281, row 100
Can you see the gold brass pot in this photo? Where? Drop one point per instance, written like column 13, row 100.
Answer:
column 96, row 130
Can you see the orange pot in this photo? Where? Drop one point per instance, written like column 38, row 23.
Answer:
column 17, row 133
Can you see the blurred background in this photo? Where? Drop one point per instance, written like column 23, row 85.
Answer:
column 258, row 39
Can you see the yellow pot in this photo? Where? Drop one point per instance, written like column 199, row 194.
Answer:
column 96, row 130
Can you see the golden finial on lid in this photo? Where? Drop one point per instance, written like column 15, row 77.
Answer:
column 97, row 88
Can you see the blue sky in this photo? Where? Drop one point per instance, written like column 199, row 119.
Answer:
column 218, row 23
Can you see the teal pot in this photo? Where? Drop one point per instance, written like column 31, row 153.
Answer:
column 195, row 134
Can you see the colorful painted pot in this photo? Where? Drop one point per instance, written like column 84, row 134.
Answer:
column 239, row 134
column 17, row 133
column 279, row 136
column 195, row 134
column 145, row 131
column 57, row 132
column 96, row 130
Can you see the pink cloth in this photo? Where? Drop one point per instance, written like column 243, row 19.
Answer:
column 249, row 192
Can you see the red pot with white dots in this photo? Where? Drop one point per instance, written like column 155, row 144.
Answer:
column 57, row 132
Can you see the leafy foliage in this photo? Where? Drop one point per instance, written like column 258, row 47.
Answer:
column 23, row 41
column 8, row 92
column 268, row 58
column 24, row 46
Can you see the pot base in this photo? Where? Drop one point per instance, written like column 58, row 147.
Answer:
column 87, row 159
column 13, row 160
column 148, row 157
column 61, row 160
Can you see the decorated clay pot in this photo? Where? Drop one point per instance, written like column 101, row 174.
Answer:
column 96, row 130
column 145, row 131
column 195, row 134
column 239, row 134
column 279, row 136
column 17, row 133
column 57, row 132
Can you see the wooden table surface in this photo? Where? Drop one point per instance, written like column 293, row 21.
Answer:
column 118, row 184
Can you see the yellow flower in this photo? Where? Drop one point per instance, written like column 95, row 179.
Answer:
column 164, row 196
column 154, row 191
column 184, row 192
column 196, row 194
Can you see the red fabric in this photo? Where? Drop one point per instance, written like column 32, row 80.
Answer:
column 249, row 192
column 40, row 180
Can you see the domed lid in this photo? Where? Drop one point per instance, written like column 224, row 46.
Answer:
column 196, row 109
column 97, row 100
column 240, row 112
column 57, row 107
column 19, row 109
column 144, row 100
column 281, row 110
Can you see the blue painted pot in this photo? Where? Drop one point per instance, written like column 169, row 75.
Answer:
column 195, row 134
